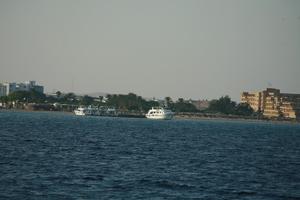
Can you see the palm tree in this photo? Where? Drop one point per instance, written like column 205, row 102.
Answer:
column 168, row 101
column 58, row 94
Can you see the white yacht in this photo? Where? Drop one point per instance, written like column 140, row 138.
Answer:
column 159, row 113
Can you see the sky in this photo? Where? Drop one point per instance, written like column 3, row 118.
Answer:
column 199, row 49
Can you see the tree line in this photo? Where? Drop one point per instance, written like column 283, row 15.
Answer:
column 126, row 102
column 129, row 102
column 226, row 106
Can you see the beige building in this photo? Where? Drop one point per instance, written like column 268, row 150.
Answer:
column 272, row 103
column 253, row 99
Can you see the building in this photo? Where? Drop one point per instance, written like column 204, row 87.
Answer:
column 200, row 104
column 2, row 90
column 272, row 103
column 253, row 99
column 7, row 88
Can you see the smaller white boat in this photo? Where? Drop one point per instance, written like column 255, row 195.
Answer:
column 159, row 113
column 82, row 111
column 95, row 111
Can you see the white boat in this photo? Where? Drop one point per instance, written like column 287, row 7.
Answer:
column 95, row 111
column 82, row 111
column 159, row 113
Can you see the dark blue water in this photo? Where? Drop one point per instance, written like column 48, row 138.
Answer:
column 60, row 156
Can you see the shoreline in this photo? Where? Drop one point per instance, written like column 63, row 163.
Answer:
column 206, row 116
column 181, row 116
column 236, row 119
column 37, row 111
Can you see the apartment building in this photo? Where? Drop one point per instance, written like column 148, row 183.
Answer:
column 272, row 103
column 253, row 99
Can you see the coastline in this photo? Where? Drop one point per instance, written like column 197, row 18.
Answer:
column 236, row 118
column 180, row 116
column 37, row 111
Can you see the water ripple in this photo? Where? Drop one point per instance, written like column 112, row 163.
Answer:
column 59, row 156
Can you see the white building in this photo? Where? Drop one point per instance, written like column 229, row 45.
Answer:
column 7, row 88
column 2, row 90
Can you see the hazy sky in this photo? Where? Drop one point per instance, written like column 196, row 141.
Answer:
column 156, row 48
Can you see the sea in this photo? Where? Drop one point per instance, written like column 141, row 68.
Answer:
column 50, row 155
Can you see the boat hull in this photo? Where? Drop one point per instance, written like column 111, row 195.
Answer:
column 163, row 117
column 80, row 113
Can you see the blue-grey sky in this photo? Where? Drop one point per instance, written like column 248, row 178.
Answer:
column 156, row 48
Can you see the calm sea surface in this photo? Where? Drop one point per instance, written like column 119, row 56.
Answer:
column 62, row 156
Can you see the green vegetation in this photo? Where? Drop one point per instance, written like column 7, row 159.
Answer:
column 180, row 105
column 128, row 102
column 69, row 98
column 58, row 94
column 244, row 109
column 25, row 96
column 87, row 100
column 224, row 105
column 4, row 99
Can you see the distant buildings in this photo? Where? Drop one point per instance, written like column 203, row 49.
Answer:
column 272, row 103
column 200, row 104
column 7, row 88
